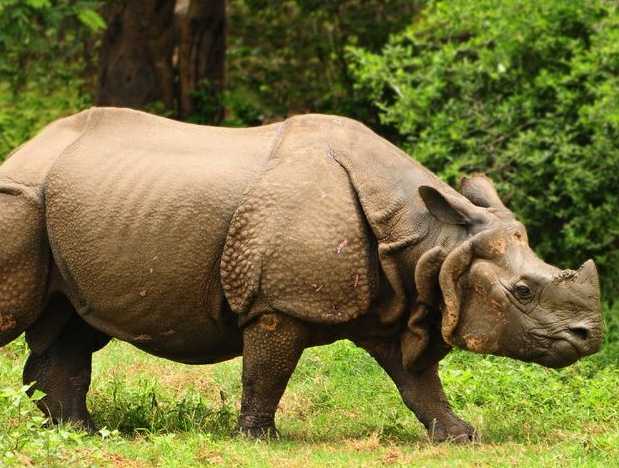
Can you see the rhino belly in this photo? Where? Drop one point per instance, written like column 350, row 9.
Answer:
column 149, row 279
column 139, row 246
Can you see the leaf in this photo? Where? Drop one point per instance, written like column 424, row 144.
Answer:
column 91, row 19
column 37, row 395
column 39, row 4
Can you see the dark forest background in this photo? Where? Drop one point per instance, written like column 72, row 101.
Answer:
column 526, row 91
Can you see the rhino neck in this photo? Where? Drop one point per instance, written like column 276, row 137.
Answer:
column 401, row 258
column 386, row 182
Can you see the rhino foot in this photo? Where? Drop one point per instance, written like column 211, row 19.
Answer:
column 60, row 366
column 260, row 432
column 81, row 423
column 455, row 430
column 85, row 423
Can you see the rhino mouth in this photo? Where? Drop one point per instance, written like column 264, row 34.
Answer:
column 561, row 353
column 563, row 350
column 560, row 348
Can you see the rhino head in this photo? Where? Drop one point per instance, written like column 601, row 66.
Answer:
column 499, row 297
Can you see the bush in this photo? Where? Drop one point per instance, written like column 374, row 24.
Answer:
column 288, row 57
column 526, row 91
column 22, row 117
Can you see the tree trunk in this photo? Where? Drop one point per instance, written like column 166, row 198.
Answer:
column 136, row 59
column 201, row 60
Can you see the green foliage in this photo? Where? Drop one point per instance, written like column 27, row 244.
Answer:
column 526, row 91
column 27, row 419
column 22, row 428
column 90, row 18
column 146, row 409
column 45, row 52
column 23, row 116
column 289, row 57
column 41, row 39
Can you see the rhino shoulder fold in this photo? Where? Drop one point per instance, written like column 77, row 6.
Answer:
column 299, row 242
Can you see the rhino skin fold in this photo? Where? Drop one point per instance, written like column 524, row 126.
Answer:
column 199, row 244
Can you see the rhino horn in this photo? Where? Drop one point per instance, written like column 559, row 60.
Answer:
column 582, row 286
column 588, row 274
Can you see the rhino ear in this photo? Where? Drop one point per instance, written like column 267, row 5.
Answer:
column 448, row 209
column 480, row 190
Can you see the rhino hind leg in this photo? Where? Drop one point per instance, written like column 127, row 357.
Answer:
column 272, row 346
column 24, row 259
column 60, row 362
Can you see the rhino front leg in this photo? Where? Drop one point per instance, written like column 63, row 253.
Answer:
column 60, row 365
column 272, row 346
column 422, row 392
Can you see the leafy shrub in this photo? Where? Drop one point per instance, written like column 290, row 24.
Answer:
column 526, row 91
column 289, row 57
column 25, row 431
column 22, row 117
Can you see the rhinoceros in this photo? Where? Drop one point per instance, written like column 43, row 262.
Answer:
column 199, row 244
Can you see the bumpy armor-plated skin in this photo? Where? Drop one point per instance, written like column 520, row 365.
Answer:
column 24, row 253
column 138, row 230
column 199, row 244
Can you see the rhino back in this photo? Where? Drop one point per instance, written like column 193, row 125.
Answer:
column 29, row 164
column 138, row 211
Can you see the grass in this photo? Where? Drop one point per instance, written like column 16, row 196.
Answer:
column 340, row 409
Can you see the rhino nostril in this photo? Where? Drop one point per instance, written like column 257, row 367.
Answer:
column 580, row 332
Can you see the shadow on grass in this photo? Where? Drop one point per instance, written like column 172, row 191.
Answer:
column 144, row 410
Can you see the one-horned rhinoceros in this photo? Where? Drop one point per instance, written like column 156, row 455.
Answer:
column 199, row 244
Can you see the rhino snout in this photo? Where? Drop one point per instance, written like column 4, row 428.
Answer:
column 573, row 301
column 585, row 336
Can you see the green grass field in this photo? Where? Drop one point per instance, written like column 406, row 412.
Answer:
column 340, row 409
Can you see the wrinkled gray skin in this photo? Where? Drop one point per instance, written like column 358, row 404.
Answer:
column 200, row 244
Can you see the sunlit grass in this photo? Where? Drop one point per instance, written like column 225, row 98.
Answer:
column 339, row 409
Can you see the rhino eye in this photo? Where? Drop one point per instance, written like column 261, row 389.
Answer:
column 522, row 291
